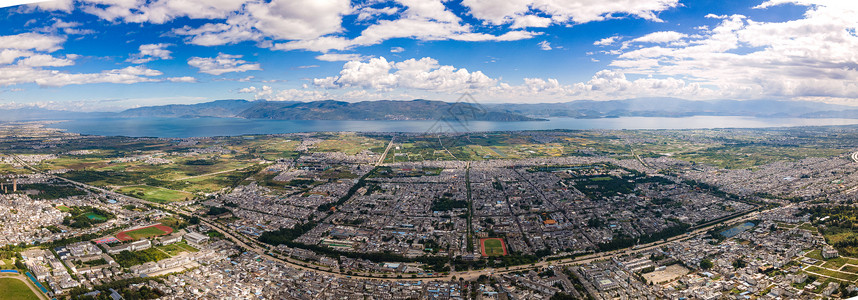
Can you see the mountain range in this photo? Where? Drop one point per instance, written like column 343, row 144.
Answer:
column 432, row 110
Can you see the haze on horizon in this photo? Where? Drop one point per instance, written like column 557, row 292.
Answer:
column 97, row 55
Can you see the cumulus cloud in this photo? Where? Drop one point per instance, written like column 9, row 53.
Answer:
column 150, row 52
column 422, row 74
column 606, row 41
column 563, row 11
column 303, row 24
column 32, row 41
column 544, row 45
column 661, row 37
column 340, row 57
column 27, row 58
column 268, row 93
column 277, row 20
column 812, row 56
column 223, row 63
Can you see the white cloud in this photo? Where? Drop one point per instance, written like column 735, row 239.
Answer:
column 397, row 49
column 160, row 11
column 27, row 58
column 661, row 37
column 812, row 56
column 223, row 63
column 368, row 13
column 531, row 21
column 268, row 93
column 126, row 75
column 340, row 57
column 61, row 5
column 182, row 79
column 422, row 74
column 44, row 60
column 150, row 52
column 564, row 11
column 316, row 27
column 32, row 41
column 606, row 41
column 544, row 45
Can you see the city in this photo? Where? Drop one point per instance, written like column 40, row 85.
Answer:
column 582, row 214
column 428, row 149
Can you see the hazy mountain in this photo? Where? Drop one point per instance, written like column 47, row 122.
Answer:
column 672, row 107
column 35, row 113
column 376, row 110
column 432, row 110
column 219, row 108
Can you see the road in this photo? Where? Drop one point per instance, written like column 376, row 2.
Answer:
column 252, row 246
column 383, row 155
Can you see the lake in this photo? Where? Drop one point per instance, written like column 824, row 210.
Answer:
column 737, row 229
column 200, row 127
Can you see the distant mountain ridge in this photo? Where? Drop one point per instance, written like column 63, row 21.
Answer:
column 673, row 107
column 432, row 110
column 377, row 110
column 217, row 108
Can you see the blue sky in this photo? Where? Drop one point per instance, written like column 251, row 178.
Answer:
column 114, row 54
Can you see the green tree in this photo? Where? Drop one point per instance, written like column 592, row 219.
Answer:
column 705, row 264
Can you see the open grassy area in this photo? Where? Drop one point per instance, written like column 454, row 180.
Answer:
column 175, row 249
column 172, row 222
column 837, row 262
column 834, row 274
column 145, row 233
column 155, row 194
column 815, row 254
column 10, row 169
column 133, row 258
column 808, row 227
column 14, row 289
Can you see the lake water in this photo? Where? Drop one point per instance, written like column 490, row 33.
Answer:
column 737, row 229
column 199, row 127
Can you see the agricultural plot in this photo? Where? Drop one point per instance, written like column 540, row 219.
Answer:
column 349, row 143
column 155, row 194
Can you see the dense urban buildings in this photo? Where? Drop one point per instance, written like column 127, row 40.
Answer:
column 516, row 215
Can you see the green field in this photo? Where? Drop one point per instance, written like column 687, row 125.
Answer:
column 95, row 216
column 175, row 249
column 850, row 269
column 63, row 208
column 834, row 274
column 14, row 289
column 132, row 258
column 145, row 233
column 155, row 194
column 493, row 247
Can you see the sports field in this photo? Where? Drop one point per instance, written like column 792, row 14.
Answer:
column 145, row 232
column 12, row 288
column 492, row 247
column 95, row 216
